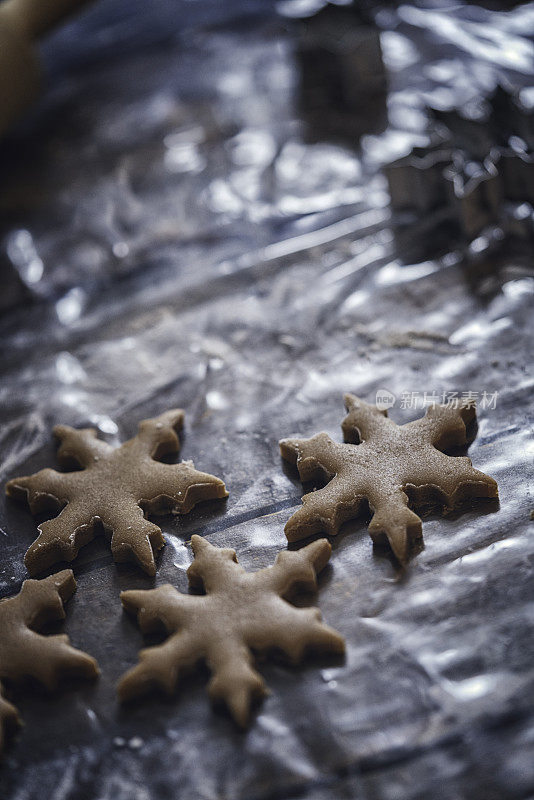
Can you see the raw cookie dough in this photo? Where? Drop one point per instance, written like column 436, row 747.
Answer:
column 114, row 488
column 240, row 612
column 25, row 653
column 390, row 462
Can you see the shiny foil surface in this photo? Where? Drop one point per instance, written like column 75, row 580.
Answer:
column 177, row 236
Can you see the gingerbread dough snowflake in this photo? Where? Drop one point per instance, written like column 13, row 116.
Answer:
column 112, row 492
column 27, row 654
column 240, row 613
column 387, row 465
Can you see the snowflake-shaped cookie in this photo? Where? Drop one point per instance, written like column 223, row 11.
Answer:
column 387, row 465
column 240, row 613
column 25, row 653
column 112, row 492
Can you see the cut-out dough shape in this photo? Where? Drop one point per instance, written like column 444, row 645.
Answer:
column 382, row 462
column 112, row 491
column 240, row 613
column 24, row 653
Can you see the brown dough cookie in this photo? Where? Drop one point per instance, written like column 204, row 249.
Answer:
column 27, row 654
column 114, row 488
column 240, row 612
column 390, row 461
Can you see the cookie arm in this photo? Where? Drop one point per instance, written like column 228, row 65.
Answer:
column 294, row 631
column 79, row 446
column 470, row 482
column 313, row 457
column 393, row 521
column 42, row 491
column 164, row 607
column 59, row 539
column 158, row 436
column 28, row 653
column 134, row 538
column 445, row 426
column 214, row 567
column 363, row 420
column 325, row 510
column 47, row 658
column 179, row 487
column 453, row 477
column 42, row 601
column 234, row 681
column 160, row 667
column 295, row 569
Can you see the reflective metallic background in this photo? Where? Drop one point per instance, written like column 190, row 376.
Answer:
column 184, row 224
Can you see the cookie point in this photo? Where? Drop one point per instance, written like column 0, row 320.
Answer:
column 64, row 575
column 176, row 417
column 318, row 553
column 400, row 551
column 350, row 400
column 64, row 583
column 492, row 483
column 197, row 542
column 88, row 666
column 220, row 489
column 468, row 410
column 16, row 490
column 31, row 562
column 150, row 568
column 64, row 578
column 289, row 450
column 128, row 600
column 292, row 532
column 239, row 707
column 326, row 547
column 338, row 642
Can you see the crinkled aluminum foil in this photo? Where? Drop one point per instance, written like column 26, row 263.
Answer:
column 186, row 243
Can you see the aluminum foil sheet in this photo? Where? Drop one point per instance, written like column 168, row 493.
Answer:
column 173, row 234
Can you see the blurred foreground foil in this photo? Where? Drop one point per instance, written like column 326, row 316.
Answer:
column 186, row 242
